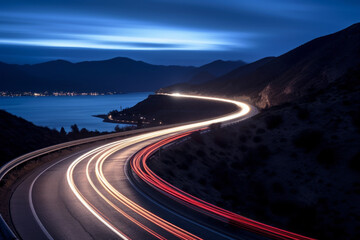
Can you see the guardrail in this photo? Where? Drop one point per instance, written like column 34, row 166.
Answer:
column 5, row 231
column 5, row 169
column 19, row 160
column 26, row 157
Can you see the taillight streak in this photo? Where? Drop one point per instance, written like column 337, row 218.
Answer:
column 139, row 166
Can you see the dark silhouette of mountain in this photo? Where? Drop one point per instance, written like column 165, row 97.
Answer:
column 10, row 75
column 294, row 74
column 220, row 67
column 214, row 69
column 162, row 109
column 193, row 86
column 117, row 74
column 18, row 136
column 243, row 70
column 300, row 162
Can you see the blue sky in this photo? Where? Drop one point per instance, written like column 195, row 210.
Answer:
column 184, row 32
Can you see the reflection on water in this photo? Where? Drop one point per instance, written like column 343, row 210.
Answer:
column 57, row 112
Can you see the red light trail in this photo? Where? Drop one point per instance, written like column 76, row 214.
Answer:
column 140, row 168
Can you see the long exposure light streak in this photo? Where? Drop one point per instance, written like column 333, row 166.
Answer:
column 84, row 201
column 182, row 234
column 102, row 153
column 114, row 205
column 141, row 169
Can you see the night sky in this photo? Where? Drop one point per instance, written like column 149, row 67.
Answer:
column 184, row 32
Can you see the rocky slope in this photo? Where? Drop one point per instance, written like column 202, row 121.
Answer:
column 295, row 166
column 307, row 68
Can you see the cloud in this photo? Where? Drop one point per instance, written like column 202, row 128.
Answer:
column 55, row 30
column 218, row 29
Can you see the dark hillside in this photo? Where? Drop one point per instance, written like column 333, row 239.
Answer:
column 307, row 68
column 214, row 83
column 213, row 70
column 295, row 166
column 117, row 74
column 161, row 109
column 18, row 136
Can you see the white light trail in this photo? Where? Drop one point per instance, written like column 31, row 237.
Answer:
column 103, row 152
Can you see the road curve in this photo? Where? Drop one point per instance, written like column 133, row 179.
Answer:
column 139, row 166
column 91, row 195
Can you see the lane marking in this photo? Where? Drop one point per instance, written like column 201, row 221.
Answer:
column 177, row 231
column 110, row 148
column 116, row 207
column 148, row 197
column 37, row 219
column 101, row 217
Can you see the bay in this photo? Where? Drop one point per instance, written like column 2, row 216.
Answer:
column 64, row 111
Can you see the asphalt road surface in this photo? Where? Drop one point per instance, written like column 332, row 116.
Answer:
column 93, row 194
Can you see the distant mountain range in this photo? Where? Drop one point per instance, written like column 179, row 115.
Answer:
column 274, row 80
column 213, row 70
column 266, row 82
column 117, row 74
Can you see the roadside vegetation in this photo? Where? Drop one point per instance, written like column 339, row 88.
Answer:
column 18, row 136
column 294, row 166
column 160, row 109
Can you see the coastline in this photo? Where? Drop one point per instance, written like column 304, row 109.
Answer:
column 64, row 111
column 105, row 118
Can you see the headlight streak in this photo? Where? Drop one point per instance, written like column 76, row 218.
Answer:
column 84, row 201
column 114, row 206
column 103, row 152
column 182, row 234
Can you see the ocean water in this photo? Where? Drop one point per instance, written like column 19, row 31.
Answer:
column 64, row 111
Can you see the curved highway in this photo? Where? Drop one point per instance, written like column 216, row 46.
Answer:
column 94, row 194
